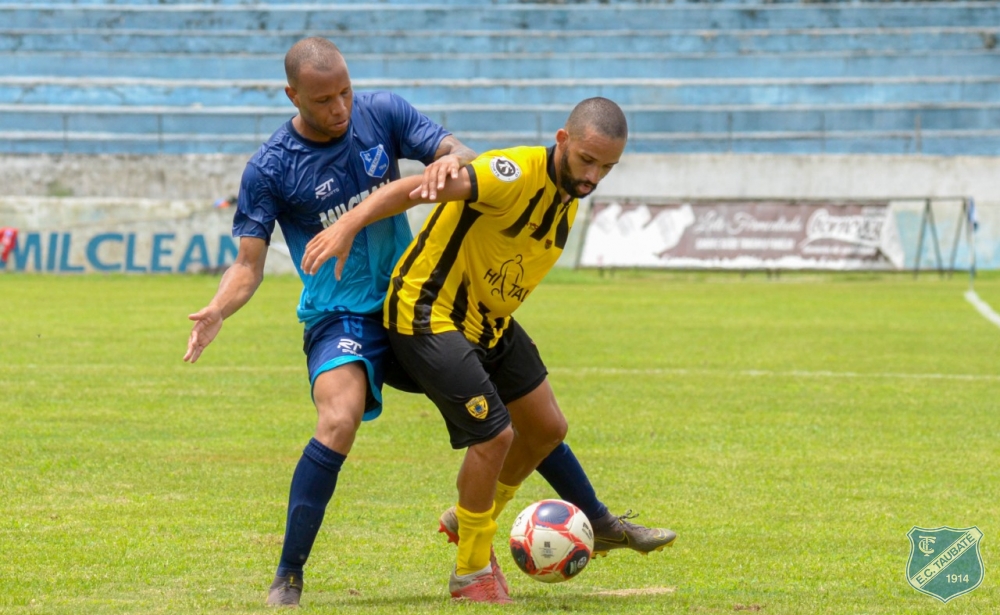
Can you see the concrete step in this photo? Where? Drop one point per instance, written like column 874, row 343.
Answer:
column 944, row 143
column 923, row 39
column 523, row 66
column 444, row 17
column 541, row 121
column 689, row 92
column 388, row 3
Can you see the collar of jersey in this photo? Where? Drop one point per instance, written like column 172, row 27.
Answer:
column 550, row 163
column 319, row 144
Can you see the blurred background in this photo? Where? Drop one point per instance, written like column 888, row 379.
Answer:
column 125, row 124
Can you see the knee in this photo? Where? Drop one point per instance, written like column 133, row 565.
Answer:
column 547, row 436
column 500, row 443
column 334, row 423
column 504, row 438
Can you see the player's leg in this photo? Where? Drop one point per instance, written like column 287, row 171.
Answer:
column 449, row 370
column 345, row 388
column 540, row 427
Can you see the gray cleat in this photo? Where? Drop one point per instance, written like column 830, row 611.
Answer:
column 285, row 591
column 611, row 532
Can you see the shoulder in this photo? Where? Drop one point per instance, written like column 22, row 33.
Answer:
column 514, row 164
column 274, row 158
column 380, row 102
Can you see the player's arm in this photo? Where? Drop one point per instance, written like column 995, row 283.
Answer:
column 335, row 241
column 238, row 284
column 450, row 157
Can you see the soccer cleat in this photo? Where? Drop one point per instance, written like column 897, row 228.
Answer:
column 611, row 532
column 285, row 591
column 478, row 587
column 449, row 527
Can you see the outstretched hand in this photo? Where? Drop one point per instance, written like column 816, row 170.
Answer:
column 207, row 324
column 436, row 174
column 332, row 242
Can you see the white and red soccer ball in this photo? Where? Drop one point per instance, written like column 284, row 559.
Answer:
column 552, row 541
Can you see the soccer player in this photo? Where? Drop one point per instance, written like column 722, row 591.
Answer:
column 340, row 147
column 502, row 225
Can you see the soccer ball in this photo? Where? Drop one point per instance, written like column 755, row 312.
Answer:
column 551, row 541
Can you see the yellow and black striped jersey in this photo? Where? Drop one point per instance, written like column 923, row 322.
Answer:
column 475, row 262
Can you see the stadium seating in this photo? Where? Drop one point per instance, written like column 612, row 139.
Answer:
column 172, row 76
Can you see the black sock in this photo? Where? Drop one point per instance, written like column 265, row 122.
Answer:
column 313, row 483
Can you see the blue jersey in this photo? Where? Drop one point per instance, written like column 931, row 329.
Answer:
column 306, row 186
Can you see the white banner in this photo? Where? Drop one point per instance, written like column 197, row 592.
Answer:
column 744, row 234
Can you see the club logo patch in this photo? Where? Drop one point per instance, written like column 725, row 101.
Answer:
column 478, row 407
column 505, row 169
column 944, row 561
column 376, row 161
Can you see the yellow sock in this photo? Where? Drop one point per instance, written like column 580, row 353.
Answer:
column 475, row 537
column 504, row 494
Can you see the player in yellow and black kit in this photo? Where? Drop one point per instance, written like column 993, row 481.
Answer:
column 480, row 255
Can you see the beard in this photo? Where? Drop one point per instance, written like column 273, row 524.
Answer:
column 570, row 184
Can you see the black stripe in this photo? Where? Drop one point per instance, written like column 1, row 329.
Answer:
column 550, row 163
column 461, row 307
column 515, row 229
column 550, row 215
column 487, row 336
column 562, row 231
column 474, row 181
column 432, row 285
column 396, row 284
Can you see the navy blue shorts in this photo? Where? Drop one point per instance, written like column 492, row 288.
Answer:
column 344, row 337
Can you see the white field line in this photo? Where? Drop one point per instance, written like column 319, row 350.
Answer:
column 568, row 371
column 756, row 373
column 982, row 307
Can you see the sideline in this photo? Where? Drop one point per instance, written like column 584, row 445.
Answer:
column 982, row 307
column 610, row 371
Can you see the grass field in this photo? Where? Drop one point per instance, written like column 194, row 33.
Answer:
column 791, row 430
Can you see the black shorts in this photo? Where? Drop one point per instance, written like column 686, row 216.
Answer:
column 469, row 384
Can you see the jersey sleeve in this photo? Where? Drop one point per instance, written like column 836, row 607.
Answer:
column 256, row 209
column 418, row 136
column 497, row 182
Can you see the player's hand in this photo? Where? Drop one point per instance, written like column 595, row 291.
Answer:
column 332, row 242
column 436, row 174
column 207, row 324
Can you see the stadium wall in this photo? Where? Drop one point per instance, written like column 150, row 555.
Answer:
column 157, row 214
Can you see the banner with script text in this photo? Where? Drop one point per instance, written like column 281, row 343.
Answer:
column 742, row 234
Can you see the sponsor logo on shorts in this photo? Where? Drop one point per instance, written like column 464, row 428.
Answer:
column 478, row 407
column 349, row 347
column 505, row 169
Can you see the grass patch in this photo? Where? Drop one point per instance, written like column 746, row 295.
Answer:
column 791, row 429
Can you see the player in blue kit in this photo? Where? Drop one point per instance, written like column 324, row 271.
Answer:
column 340, row 147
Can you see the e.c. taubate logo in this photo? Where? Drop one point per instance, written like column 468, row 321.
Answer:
column 944, row 561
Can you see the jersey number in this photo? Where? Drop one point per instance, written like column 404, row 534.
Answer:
column 354, row 325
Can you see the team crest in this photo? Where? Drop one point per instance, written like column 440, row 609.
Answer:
column 505, row 169
column 944, row 561
column 478, row 407
column 376, row 161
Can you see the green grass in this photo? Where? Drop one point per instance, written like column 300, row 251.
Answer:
column 791, row 430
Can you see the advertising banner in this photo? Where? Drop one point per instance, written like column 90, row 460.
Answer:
column 133, row 236
column 742, row 234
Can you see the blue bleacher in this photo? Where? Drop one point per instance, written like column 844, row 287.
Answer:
column 173, row 77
